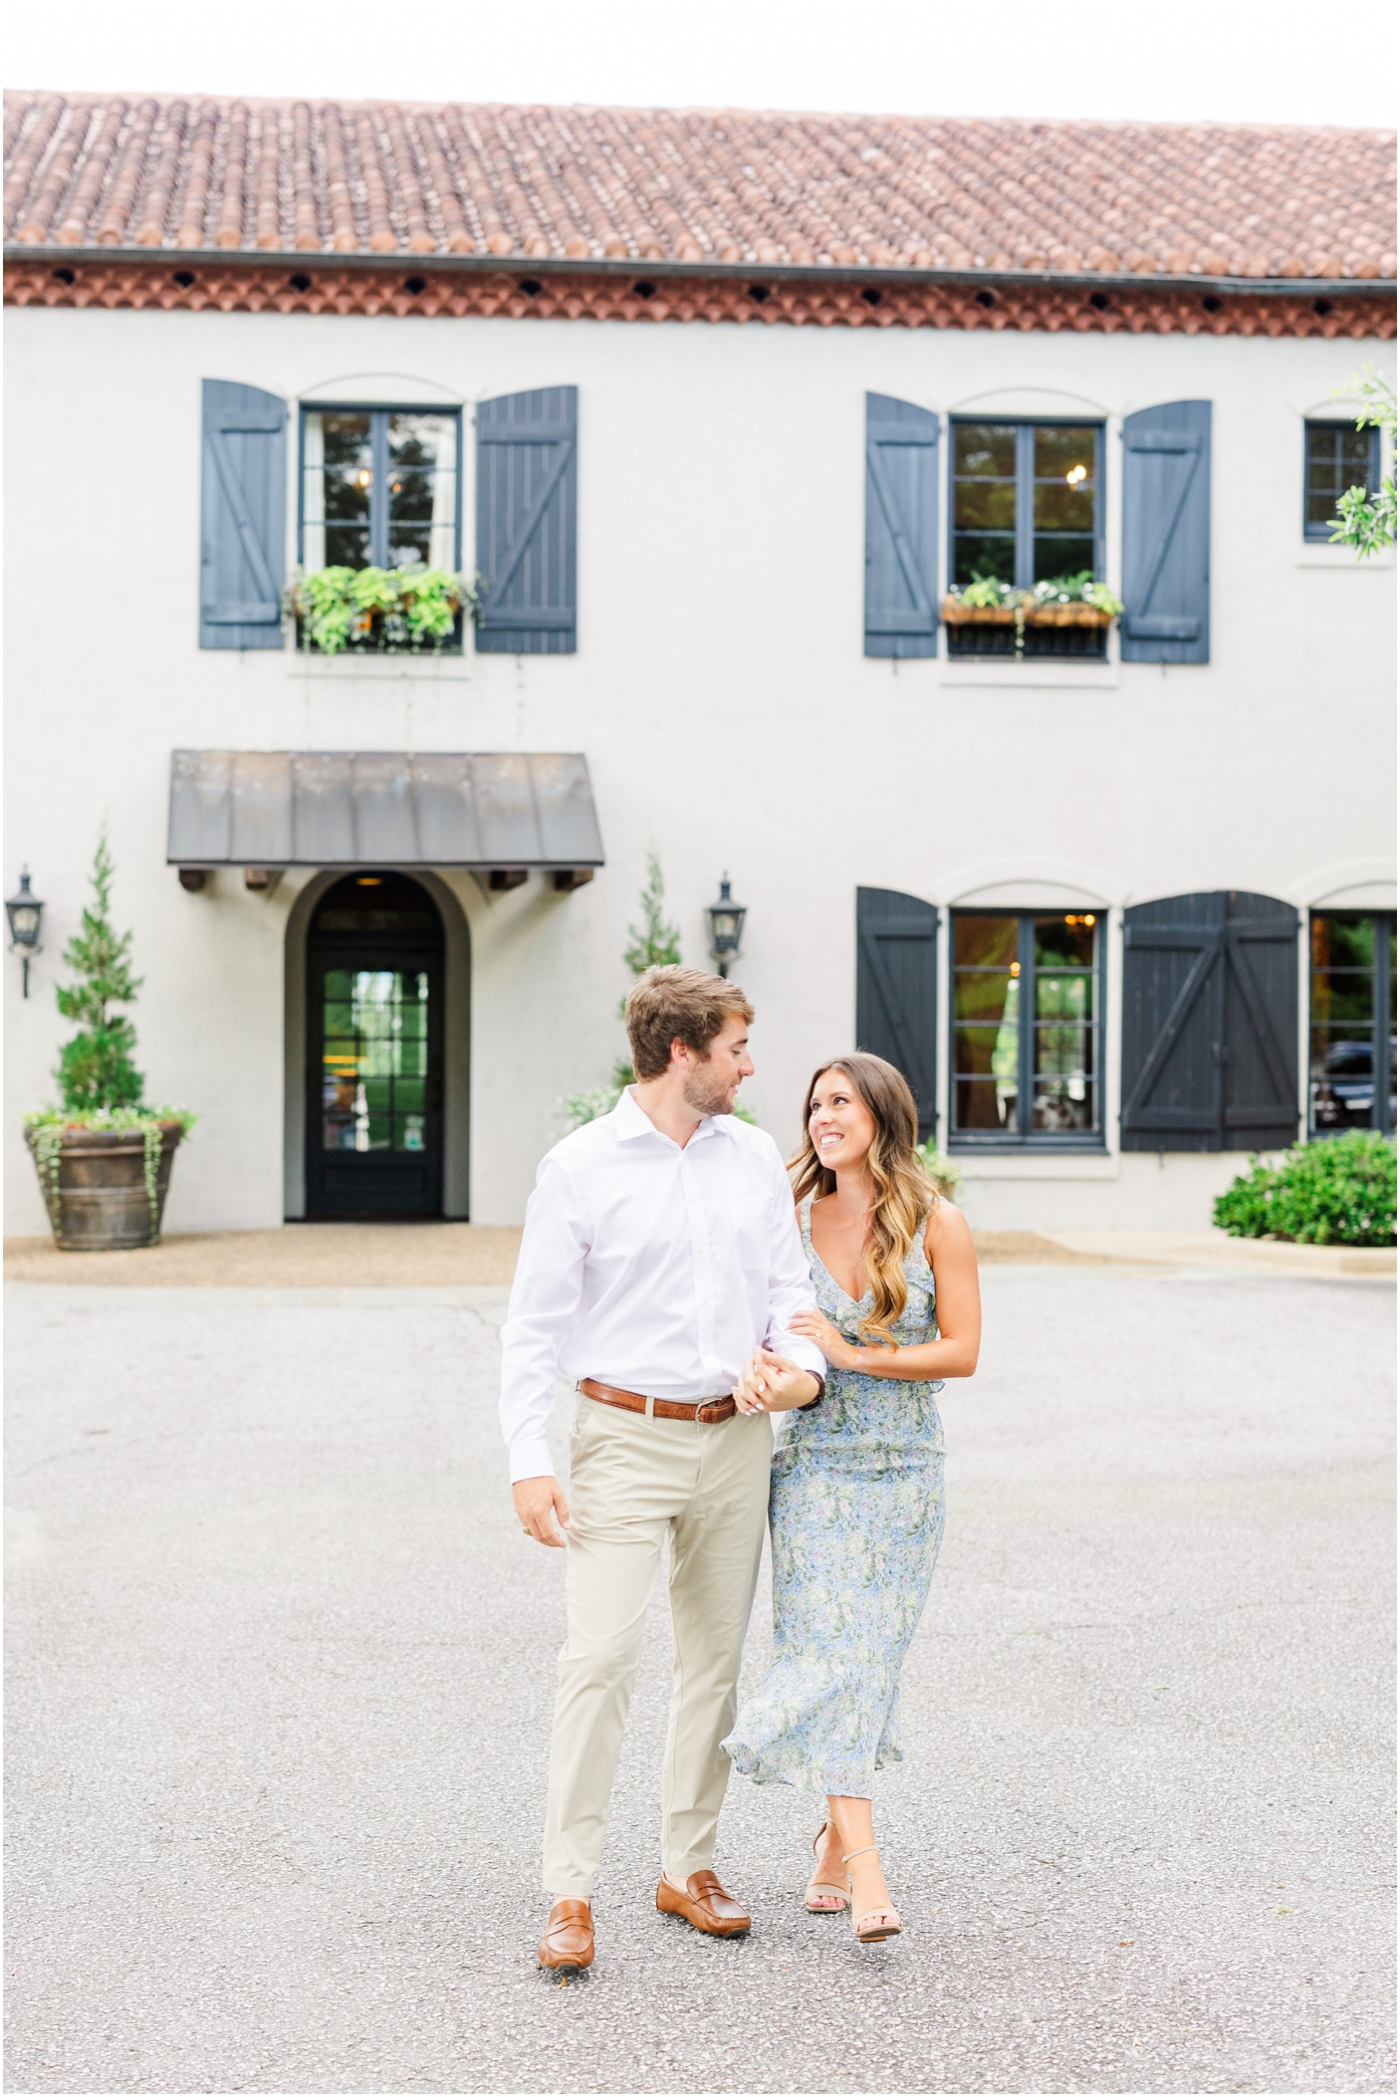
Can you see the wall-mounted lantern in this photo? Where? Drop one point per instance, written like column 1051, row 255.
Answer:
column 25, row 913
column 726, row 927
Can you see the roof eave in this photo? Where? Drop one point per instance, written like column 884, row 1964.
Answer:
column 649, row 267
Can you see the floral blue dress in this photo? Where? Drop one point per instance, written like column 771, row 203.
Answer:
column 856, row 1518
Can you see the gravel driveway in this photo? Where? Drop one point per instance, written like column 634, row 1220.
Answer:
column 281, row 1669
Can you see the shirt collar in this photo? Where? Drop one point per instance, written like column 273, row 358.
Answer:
column 632, row 1122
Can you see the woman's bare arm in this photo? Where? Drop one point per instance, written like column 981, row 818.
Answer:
column 953, row 1258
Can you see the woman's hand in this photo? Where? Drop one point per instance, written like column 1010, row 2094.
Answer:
column 811, row 1325
column 770, row 1383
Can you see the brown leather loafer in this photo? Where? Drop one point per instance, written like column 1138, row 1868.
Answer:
column 567, row 1943
column 704, row 1904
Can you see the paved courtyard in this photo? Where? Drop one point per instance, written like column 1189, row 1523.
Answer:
column 280, row 1676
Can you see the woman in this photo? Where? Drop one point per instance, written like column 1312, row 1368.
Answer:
column 857, row 1498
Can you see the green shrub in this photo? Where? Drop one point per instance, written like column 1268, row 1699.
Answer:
column 946, row 1176
column 1338, row 1192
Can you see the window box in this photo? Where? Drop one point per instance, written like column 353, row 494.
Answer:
column 956, row 613
column 1066, row 618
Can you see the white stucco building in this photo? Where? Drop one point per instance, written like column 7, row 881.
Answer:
column 1122, row 914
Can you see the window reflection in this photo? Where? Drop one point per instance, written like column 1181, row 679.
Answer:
column 1042, row 478
column 1351, row 1022
column 379, row 489
column 1025, row 1062
column 374, row 1060
column 1338, row 456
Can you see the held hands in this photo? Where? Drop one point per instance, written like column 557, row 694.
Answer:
column 810, row 1325
column 772, row 1384
column 537, row 1502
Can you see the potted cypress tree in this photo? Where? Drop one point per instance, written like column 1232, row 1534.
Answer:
column 103, row 1158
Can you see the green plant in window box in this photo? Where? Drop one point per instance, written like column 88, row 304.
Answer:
column 103, row 1158
column 1340, row 1191
column 1062, row 600
column 382, row 610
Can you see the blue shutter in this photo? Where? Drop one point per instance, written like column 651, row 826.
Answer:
column 527, row 522
column 897, row 989
column 901, row 528
column 1261, row 1023
column 243, row 517
column 1173, row 1023
column 1166, row 534
column 1210, row 1023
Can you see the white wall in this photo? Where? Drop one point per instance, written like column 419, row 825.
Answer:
column 719, row 691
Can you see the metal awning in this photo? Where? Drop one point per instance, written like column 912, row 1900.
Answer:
column 279, row 808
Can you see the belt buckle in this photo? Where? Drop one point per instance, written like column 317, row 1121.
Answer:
column 707, row 1415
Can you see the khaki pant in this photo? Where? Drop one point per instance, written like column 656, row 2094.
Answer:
column 633, row 1480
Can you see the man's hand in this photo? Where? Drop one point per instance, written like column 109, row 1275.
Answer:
column 537, row 1502
column 772, row 1384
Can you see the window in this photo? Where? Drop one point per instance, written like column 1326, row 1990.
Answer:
column 1025, row 1024
column 1337, row 456
column 379, row 488
column 1351, row 1032
column 1026, row 509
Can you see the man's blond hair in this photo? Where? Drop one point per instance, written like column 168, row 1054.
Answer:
column 679, row 1004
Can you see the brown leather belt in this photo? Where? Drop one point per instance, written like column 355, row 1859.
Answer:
column 709, row 1413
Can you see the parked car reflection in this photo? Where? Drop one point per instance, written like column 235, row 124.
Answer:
column 1343, row 1086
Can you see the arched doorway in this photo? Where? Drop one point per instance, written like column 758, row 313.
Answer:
column 374, row 1037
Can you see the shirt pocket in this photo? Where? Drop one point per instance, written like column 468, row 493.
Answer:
column 749, row 1216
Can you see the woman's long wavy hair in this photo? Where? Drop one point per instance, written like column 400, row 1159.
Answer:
column 904, row 1193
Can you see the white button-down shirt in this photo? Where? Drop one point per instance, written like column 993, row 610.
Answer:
column 652, row 1267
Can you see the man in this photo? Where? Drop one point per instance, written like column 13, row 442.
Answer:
column 661, row 1251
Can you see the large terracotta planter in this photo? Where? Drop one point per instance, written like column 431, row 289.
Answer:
column 100, row 1203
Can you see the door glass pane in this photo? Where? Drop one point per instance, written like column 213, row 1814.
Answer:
column 1066, row 498
column 984, row 501
column 1065, row 1024
column 986, row 1023
column 1341, row 1023
column 423, row 491
column 374, row 1060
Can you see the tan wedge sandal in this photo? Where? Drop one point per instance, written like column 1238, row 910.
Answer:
column 831, row 1900
column 876, row 1923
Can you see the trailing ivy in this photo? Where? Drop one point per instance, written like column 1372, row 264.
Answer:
column 46, row 1129
column 379, row 608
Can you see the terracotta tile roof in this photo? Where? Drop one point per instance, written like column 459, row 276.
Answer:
column 717, row 186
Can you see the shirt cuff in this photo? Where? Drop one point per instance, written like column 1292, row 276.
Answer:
column 806, row 1354
column 530, row 1458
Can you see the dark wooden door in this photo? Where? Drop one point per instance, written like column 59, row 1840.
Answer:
column 1210, row 1023
column 374, row 1076
column 897, row 989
